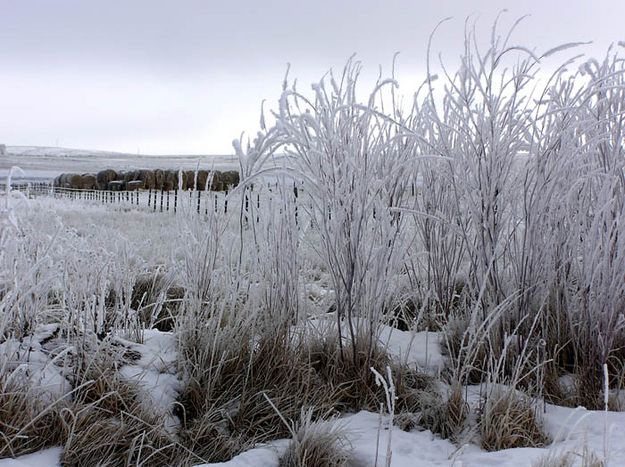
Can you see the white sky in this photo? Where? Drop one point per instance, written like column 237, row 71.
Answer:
column 187, row 76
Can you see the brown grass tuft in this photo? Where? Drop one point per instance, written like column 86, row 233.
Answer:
column 227, row 397
column 446, row 418
column 587, row 458
column 317, row 445
column 508, row 420
column 97, row 438
column 27, row 425
column 351, row 380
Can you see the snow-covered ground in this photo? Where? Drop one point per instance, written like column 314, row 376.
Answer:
column 370, row 435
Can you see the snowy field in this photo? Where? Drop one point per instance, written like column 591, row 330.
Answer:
column 45, row 163
column 117, row 236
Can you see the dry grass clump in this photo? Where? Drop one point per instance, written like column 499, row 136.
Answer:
column 586, row 458
column 211, row 438
column 108, row 425
column 508, row 420
column 27, row 425
column 317, row 445
column 346, row 370
column 94, row 365
column 447, row 418
column 101, row 424
column 580, row 358
column 96, row 437
column 404, row 315
column 464, row 348
column 555, row 460
column 241, row 394
column 157, row 300
column 226, row 400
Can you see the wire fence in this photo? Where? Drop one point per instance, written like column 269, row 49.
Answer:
column 201, row 201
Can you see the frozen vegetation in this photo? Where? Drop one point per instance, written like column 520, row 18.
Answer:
column 446, row 288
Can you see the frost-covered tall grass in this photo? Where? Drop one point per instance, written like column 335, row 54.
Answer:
column 513, row 179
column 351, row 162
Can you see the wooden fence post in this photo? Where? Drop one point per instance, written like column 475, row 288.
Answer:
column 295, row 193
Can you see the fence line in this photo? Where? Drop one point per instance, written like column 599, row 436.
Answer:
column 172, row 201
column 153, row 200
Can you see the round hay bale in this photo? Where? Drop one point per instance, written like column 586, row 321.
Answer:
column 89, row 182
column 171, row 180
column 202, row 178
column 131, row 175
column 103, row 178
column 147, row 177
column 189, row 175
column 216, row 182
column 231, row 178
column 75, row 181
column 64, row 179
column 57, row 180
column 159, row 178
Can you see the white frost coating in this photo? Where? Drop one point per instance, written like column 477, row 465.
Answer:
column 32, row 369
column 155, row 374
column 44, row 458
column 414, row 348
column 421, row 349
column 265, row 456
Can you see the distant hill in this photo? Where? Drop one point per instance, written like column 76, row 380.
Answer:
column 58, row 152
column 44, row 163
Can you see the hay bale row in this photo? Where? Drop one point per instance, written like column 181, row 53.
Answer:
column 76, row 181
column 149, row 180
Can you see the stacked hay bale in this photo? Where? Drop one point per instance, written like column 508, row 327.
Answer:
column 216, row 182
column 61, row 180
column 170, row 180
column 158, row 179
column 66, row 180
column 224, row 180
column 104, row 177
column 148, row 179
column 89, row 182
column 202, row 179
column 189, row 178
column 134, row 185
column 117, row 185
column 131, row 176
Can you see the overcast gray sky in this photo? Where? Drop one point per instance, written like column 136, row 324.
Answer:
column 187, row 76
